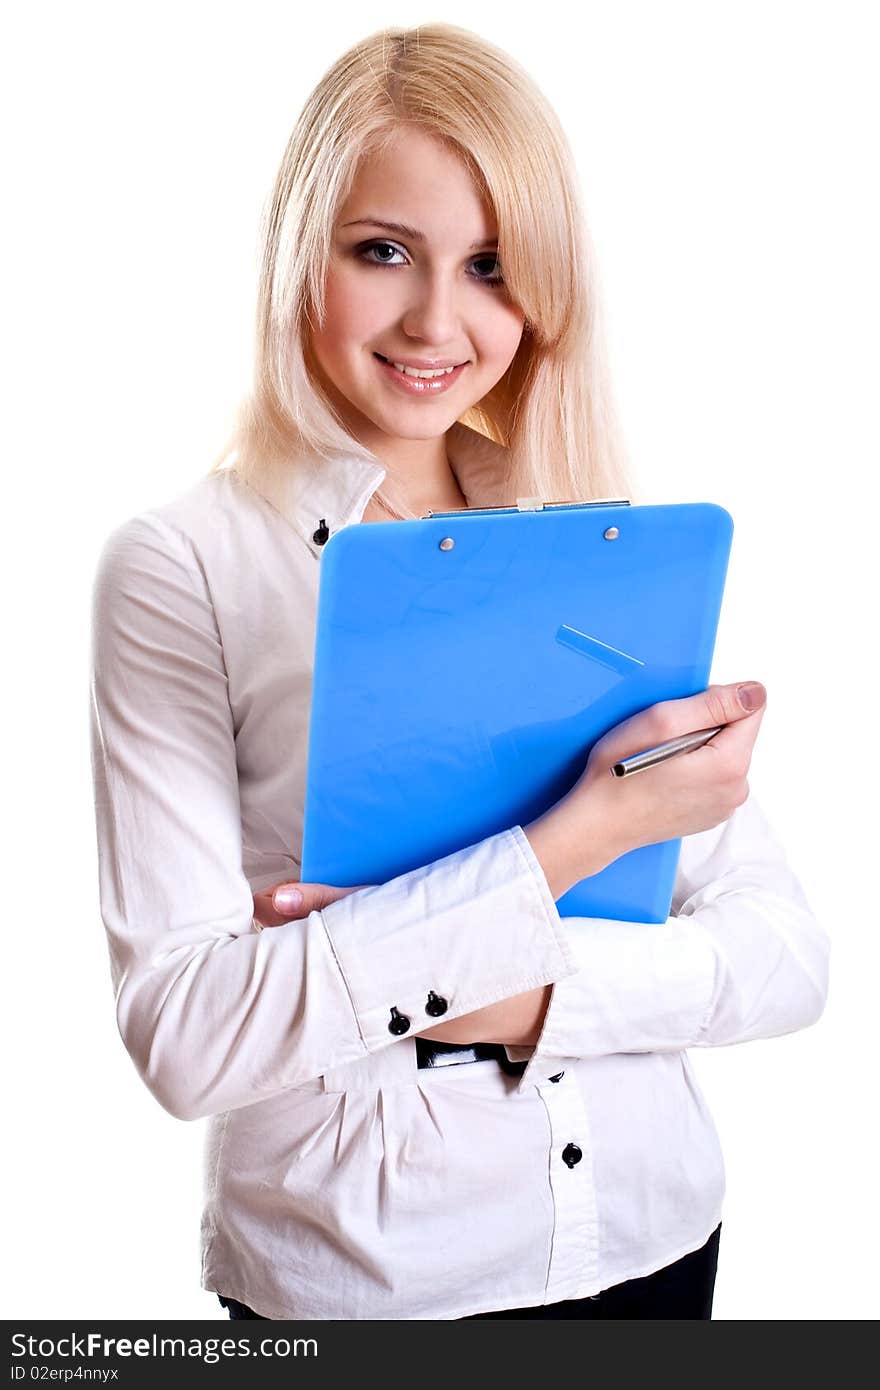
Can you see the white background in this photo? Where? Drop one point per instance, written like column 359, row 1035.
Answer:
column 727, row 154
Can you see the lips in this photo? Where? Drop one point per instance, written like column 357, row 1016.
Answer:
column 419, row 387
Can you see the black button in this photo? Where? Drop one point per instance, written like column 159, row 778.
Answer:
column 436, row 1004
column 399, row 1023
column 558, row 1077
column 571, row 1155
column 322, row 535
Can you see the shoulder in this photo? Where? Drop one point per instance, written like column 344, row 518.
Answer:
column 216, row 515
column 217, row 499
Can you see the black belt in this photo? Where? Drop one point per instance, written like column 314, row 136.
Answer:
column 441, row 1054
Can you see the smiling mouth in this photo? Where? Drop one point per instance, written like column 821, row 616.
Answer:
column 425, row 374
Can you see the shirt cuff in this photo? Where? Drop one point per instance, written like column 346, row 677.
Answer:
column 640, row 987
column 445, row 940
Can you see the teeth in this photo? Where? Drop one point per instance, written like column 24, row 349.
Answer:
column 416, row 371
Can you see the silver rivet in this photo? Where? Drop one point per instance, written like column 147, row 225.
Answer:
column 612, row 533
column 447, row 543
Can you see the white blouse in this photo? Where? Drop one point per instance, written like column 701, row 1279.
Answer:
column 341, row 1181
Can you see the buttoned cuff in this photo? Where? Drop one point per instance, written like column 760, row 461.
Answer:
column 445, row 940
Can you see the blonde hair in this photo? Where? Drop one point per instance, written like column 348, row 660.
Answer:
column 553, row 408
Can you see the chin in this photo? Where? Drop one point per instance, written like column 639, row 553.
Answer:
column 403, row 428
column 438, row 429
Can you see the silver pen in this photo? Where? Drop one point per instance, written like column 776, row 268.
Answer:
column 651, row 756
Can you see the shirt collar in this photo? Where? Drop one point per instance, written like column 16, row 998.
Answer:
column 336, row 490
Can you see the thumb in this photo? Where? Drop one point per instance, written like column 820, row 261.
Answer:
column 288, row 902
column 725, row 704
column 732, row 705
column 296, row 900
column 728, row 705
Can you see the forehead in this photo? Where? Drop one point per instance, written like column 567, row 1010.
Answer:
column 418, row 180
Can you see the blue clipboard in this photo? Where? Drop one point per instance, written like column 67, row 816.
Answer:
column 458, row 688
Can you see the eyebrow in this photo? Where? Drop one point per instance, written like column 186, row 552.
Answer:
column 412, row 232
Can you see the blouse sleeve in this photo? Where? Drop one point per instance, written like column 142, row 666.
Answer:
column 214, row 1014
column 741, row 957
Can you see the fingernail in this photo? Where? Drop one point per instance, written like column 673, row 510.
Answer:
column 751, row 695
column 287, row 899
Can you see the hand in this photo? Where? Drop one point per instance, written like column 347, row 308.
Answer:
column 603, row 817
column 517, row 1020
column 272, row 911
column 689, row 793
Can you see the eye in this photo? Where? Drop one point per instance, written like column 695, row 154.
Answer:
column 495, row 277
column 364, row 251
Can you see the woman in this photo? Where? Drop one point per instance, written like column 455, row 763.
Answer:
column 544, row 1150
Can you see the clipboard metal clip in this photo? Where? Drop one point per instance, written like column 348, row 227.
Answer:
column 527, row 504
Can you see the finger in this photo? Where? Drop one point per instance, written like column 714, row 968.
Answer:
column 315, row 897
column 718, row 704
column 276, row 906
column 265, row 912
column 736, row 741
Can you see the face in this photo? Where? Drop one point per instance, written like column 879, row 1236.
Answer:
column 424, row 300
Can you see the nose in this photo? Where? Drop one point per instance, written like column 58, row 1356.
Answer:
column 432, row 314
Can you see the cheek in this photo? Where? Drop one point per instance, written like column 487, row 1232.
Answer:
column 504, row 334
column 354, row 310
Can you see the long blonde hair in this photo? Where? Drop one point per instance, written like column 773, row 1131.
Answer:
column 553, row 409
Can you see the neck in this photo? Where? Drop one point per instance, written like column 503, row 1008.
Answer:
column 420, row 477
